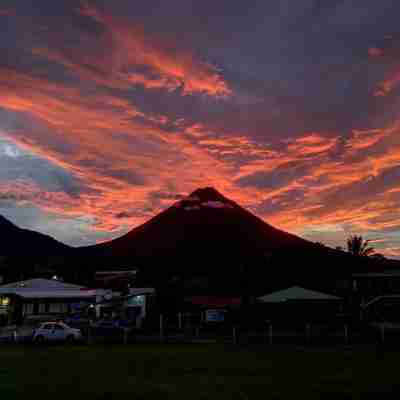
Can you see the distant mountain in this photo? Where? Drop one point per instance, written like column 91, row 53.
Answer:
column 204, row 223
column 15, row 241
column 208, row 235
column 204, row 242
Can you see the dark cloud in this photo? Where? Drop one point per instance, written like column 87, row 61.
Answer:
column 130, row 177
column 18, row 165
column 279, row 177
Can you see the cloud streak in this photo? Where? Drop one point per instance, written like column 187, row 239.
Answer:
column 126, row 55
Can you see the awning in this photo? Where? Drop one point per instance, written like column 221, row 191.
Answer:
column 211, row 301
column 295, row 293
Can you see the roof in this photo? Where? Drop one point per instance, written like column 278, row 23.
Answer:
column 46, row 288
column 295, row 293
column 42, row 284
column 141, row 291
column 383, row 297
column 51, row 294
column 121, row 272
column 383, row 274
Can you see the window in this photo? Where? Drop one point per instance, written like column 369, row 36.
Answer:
column 27, row 308
column 58, row 327
column 42, row 308
column 4, row 301
column 136, row 301
column 48, row 326
column 56, row 308
column 342, row 284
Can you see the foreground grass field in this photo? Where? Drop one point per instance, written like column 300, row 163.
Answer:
column 196, row 372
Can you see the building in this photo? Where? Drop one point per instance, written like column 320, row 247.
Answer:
column 134, row 305
column 372, row 284
column 298, row 304
column 35, row 298
column 115, row 280
column 384, row 308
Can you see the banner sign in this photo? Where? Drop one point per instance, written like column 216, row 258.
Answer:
column 215, row 315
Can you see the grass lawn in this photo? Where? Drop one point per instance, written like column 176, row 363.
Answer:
column 193, row 372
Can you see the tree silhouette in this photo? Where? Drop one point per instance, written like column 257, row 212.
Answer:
column 359, row 247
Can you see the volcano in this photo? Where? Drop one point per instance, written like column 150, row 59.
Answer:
column 208, row 237
column 203, row 224
column 204, row 241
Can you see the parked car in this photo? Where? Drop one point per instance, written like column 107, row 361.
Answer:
column 77, row 321
column 56, row 332
column 110, row 327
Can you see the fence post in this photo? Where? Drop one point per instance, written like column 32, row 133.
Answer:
column 308, row 333
column 161, row 328
column 383, row 333
column 180, row 320
column 270, row 333
column 346, row 334
column 126, row 330
column 197, row 331
column 89, row 334
column 234, row 335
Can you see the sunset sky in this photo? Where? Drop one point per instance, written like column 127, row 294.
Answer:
column 111, row 110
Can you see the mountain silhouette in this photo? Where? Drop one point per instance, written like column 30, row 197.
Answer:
column 204, row 242
column 210, row 238
column 204, row 223
column 24, row 242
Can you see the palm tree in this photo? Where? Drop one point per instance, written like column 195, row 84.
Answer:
column 359, row 247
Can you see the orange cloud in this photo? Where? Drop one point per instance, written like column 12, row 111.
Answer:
column 390, row 252
column 129, row 49
column 312, row 144
column 363, row 139
column 114, row 149
column 390, row 83
column 124, row 159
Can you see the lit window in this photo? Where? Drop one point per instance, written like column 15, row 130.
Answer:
column 136, row 300
column 4, row 301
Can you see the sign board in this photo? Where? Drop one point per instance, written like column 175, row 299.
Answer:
column 79, row 306
column 215, row 315
column 108, row 296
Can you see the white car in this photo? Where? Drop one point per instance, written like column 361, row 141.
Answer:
column 56, row 332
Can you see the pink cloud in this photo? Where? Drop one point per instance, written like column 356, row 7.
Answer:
column 130, row 49
column 7, row 12
column 190, row 157
column 375, row 52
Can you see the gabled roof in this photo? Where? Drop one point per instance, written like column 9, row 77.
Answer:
column 295, row 293
column 50, row 294
column 40, row 284
column 45, row 288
